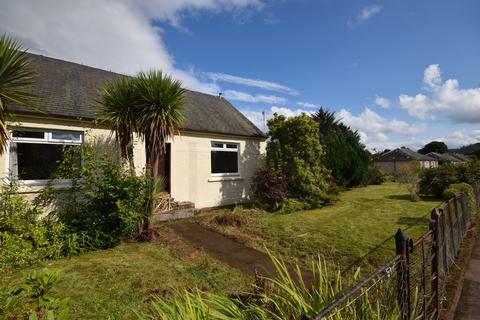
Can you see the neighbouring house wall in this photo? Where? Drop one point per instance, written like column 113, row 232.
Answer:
column 91, row 131
column 393, row 167
column 191, row 178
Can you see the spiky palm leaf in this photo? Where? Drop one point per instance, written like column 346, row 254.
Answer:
column 160, row 101
column 118, row 113
column 15, row 79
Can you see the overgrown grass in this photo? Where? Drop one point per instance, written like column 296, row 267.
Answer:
column 356, row 231
column 110, row 283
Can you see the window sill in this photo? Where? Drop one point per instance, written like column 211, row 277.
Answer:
column 35, row 186
column 225, row 178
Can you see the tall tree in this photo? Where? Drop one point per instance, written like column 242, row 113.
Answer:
column 345, row 156
column 434, row 146
column 118, row 100
column 160, row 102
column 15, row 79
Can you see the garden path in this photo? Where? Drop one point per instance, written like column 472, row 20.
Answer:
column 227, row 250
column 469, row 304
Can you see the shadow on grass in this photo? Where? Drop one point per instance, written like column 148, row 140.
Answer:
column 406, row 197
column 408, row 221
column 413, row 221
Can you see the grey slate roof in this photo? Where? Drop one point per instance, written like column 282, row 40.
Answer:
column 403, row 154
column 443, row 157
column 69, row 90
column 461, row 157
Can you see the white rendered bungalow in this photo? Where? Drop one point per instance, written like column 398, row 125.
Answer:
column 210, row 163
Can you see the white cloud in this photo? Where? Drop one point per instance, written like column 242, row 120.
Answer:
column 258, row 98
column 288, row 112
column 308, row 105
column 365, row 14
column 257, row 116
column 382, row 102
column 262, row 84
column 113, row 35
column 443, row 97
column 460, row 138
column 432, row 76
column 370, row 123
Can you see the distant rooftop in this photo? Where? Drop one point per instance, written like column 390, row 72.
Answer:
column 403, row 154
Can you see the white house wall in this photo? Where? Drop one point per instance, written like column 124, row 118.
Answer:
column 91, row 133
column 191, row 178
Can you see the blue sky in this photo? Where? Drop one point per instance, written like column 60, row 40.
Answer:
column 400, row 72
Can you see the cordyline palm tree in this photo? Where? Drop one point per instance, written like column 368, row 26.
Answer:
column 159, row 101
column 118, row 101
column 15, row 79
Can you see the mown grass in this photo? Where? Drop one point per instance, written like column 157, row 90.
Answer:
column 110, row 283
column 355, row 231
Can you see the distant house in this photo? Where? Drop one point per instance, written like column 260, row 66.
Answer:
column 444, row 157
column 391, row 162
column 209, row 163
column 461, row 157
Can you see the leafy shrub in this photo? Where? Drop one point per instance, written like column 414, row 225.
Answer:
column 375, row 176
column 290, row 205
column 457, row 189
column 25, row 237
column 32, row 299
column 434, row 181
column 469, row 172
column 269, row 189
column 294, row 151
column 104, row 200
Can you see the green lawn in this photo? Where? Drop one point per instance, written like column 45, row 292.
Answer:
column 109, row 283
column 355, row 231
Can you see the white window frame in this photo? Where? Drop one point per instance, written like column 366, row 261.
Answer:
column 225, row 149
column 47, row 139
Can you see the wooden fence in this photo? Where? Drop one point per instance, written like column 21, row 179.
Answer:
column 412, row 285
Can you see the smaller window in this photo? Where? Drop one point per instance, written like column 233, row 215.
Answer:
column 30, row 134
column 224, row 158
column 66, row 136
column 217, row 145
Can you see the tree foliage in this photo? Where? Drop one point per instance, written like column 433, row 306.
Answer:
column 434, row 181
column 434, row 146
column 151, row 104
column 15, row 79
column 294, row 150
column 345, row 156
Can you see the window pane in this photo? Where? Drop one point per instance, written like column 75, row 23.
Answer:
column 65, row 135
column 232, row 146
column 28, row 134
column 224, row 162
column 38, row 161
column 217, row 145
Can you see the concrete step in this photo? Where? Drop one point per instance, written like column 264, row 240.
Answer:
column 173, row 215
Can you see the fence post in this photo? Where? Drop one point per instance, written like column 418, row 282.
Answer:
column 443, row 223
column 435, row 228
column 452, row 227
column 403, row 245
column 465, row 212
column 458, row 218
column 476, row 194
